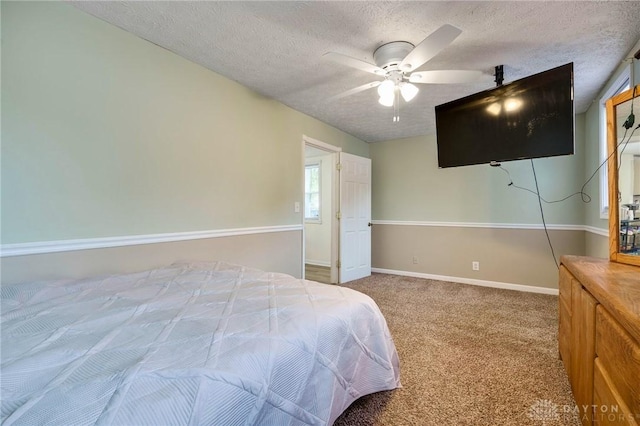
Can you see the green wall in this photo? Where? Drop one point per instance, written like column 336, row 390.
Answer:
column 592, row 140
column 409, row 186
column 105, row 134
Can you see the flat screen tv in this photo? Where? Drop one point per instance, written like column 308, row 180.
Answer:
column 529, row 118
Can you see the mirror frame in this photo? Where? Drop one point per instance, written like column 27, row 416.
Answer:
column 612, row 147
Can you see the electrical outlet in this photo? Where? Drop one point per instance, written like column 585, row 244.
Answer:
column 415, row 259
column 475, row 265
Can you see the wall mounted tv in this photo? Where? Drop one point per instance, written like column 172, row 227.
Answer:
column 529, row 118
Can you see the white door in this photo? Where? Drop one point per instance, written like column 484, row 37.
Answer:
column 355, row 217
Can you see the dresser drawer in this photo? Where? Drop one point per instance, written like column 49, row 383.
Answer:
column 619, row 358
column 607, row 405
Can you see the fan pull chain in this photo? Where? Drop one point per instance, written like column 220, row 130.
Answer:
column 396, row 106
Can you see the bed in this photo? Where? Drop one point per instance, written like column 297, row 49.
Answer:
column 190, row 344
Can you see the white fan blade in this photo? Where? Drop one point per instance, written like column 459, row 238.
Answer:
column 355, row 90
column 354, row 63
column 430, row 47
column 449, row 77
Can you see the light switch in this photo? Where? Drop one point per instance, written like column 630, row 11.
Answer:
column 296, row 207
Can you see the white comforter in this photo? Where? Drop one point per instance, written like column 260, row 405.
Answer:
column 191, row 344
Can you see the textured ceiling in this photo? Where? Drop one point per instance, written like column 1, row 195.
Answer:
column 276, row 48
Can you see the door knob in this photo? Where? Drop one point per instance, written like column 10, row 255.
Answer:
column 369, row 224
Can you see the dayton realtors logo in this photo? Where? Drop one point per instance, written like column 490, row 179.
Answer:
column 544, row 410
column 547, row 412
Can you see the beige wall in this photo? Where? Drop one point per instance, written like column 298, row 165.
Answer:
column 107, row 135
column 512, row 256
column 596, row 245
column 283, row 249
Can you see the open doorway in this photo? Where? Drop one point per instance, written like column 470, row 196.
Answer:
column 320, row 208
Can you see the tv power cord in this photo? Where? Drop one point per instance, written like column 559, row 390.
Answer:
column 586, row 198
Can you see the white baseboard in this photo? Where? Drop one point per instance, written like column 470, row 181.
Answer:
column 22, row 249
column 471, row 281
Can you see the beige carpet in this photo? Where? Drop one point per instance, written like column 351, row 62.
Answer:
column 468, row 356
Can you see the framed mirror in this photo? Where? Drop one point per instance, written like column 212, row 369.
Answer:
column 624, row 177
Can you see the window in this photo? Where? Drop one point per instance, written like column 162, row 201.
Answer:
column 312, row 200
column 619, row 85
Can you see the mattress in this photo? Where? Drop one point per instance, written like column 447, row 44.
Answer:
column 191, row 343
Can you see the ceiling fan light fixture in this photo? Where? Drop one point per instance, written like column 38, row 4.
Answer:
column 408, row 91
column 397, row 61
column 386, row 89
column 386, row 101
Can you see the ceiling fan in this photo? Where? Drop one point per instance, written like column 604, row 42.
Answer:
column 397, row 61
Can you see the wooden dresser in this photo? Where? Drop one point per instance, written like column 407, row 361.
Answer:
column 599, row 338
